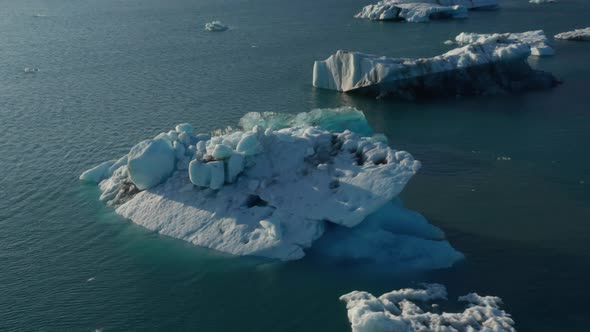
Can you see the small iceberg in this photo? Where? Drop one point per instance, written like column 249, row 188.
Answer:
column 490, row 66
column 276, row 186
column 536, row 40
column 577, row 35
column 31, row 70
column 408, row 310
column 215, row 26
column 422, row 10
column 542, row 1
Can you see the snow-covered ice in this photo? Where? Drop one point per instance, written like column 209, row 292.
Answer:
column 536, row 40
column 215, row 26
column 405, row 310
column 486, row 67
column 270, row 188
column 422, row 10
column 578, row 34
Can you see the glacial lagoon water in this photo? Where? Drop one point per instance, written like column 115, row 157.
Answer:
column 506, row 177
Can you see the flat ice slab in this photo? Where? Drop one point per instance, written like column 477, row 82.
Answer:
column 270, row 188
column 578, row 35
column 422, row 10
column 536, row 40
column 488, row 67
column 412, row 310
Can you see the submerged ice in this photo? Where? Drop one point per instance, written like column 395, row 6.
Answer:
column 274, row 186
column 406, row 310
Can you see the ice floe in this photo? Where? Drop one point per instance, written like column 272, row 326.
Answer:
column 215, row 26
column 536, row 40
column 271, row 188
column 542, row 1
column 422, row 10
column 405, row 310
column 578, row 34
column 489, row 66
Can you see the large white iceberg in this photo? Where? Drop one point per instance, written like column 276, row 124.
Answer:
column 536, row 40
column 488, row 67
column 407, row 310
column 578, row 34
column 422, row 10
column 271, row 188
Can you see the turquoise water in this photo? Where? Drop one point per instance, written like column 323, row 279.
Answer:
column 113, row 72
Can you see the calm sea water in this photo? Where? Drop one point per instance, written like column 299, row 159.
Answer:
column 508, row 178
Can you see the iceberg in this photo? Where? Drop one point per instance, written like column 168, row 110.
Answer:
column 406, row 310
column 215, row 26
column 489, row 67
column 542, row 1
column 578, row 35
column 536, row 40
column 422, row 10
column 276, row 185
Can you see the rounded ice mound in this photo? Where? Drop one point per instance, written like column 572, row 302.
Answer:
column 215, row 26
column 184, row 128
column 405, row 310
column 98, row 173
column 151, row 162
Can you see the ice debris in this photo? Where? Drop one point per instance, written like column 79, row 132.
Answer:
column 578, row 35
column 405, row 310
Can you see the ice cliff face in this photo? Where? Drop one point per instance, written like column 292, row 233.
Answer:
column 271, row 188
column 404, row 310
column 488, row 67
column 422, row 10
column 578, row 34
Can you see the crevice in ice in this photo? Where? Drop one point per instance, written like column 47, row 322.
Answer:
column 255, row 200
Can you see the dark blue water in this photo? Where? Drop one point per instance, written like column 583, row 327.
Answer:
column 113, row 72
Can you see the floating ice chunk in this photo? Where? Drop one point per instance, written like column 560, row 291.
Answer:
column 98, row 173
column 249, row 145
column 478, row 68
column 217, row 171
column 536, row 40
column 422, row 10
column 199, row 173
column 222, row 151
column 448, row 42
column 404, row 310
column 578, row 34
column 215, row 26
column 542, row 1
column 275, row 199
column 184, row 128
column 235, row 166
column 151, row 162
column 31, row 70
